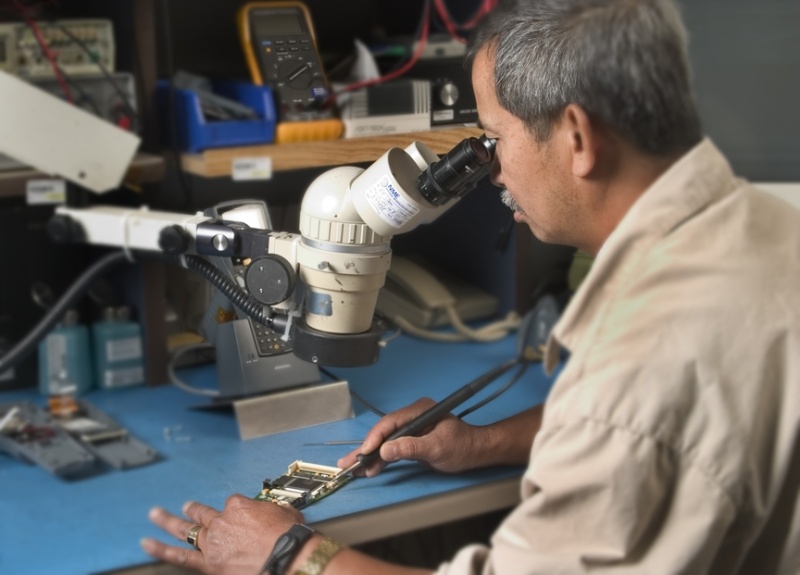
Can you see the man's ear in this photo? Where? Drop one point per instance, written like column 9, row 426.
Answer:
column 582, row 140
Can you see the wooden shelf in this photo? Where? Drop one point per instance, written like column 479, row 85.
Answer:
column 145, row 169
column 218, row 161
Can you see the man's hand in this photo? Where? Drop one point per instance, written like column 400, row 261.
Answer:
column 237, row 540
column 450, row 445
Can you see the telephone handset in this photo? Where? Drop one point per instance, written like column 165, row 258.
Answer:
column 419, row 297
column 418, row 284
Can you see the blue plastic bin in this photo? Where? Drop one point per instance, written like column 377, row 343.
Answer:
column 195, row 133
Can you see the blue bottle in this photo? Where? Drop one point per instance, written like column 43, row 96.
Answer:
column 119, row 361
column 65, row 366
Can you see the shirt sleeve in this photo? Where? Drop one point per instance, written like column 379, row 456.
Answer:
column 601, row 499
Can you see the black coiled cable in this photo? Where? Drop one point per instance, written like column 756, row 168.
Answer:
column 238, row 297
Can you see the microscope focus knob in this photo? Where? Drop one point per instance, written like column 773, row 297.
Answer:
column 174, row 240
column 270, row 279
column 64, row 229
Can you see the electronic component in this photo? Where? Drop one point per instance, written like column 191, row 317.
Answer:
column 452, row 97
column 390, row 108
column 69, row 438
column 29, row 433
column 101, row 435
column 76, row 46
column 280, row 47
column 303, row 484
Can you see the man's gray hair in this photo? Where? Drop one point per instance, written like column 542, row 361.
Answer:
column 623, row 61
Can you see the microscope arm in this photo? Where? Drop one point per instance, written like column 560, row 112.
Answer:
column 347, row 218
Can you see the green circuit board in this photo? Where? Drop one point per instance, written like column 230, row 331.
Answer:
column 302, row 484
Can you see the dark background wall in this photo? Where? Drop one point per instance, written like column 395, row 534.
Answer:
column 746, row 58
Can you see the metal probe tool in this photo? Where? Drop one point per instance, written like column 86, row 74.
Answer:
column 433, row 414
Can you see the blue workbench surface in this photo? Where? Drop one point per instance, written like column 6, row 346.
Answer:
column 49, row 525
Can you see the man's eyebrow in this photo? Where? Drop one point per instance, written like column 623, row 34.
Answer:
column 483, row 126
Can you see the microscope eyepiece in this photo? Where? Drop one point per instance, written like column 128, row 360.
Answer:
column 458, row 171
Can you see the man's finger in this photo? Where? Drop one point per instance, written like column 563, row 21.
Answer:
column 375, row 437
column 347, row 460
column 199, row 513
column 172, row 524
column 174, row 555
column 373, row 469
column 392, row 422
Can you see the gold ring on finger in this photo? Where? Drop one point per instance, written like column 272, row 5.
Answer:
column 192, row 536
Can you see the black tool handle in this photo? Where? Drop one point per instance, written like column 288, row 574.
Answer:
column 436, row 412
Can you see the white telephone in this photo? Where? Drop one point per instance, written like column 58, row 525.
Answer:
column 419, row 297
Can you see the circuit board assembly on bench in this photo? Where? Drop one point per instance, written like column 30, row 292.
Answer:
column 302, row 484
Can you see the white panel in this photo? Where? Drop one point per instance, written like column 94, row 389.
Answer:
column 57, row 138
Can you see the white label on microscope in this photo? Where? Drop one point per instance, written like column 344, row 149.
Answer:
column 389, row 203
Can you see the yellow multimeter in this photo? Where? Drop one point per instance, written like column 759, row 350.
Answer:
column 280, row 46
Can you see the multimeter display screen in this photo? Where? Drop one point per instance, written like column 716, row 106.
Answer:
column 278, row 24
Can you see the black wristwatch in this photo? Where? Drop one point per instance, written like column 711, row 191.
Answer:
column 286, row 548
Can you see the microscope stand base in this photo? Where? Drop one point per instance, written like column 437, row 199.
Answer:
column 293, row 409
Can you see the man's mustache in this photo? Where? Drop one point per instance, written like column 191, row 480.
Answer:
column 510, row 202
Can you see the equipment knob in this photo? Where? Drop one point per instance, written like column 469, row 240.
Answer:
column 270, row 279
column 448, row 94
column 220, row 242
column 174, row 240
column 63, row 229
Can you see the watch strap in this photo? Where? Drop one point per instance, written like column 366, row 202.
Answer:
column 286, row 548
column 320, row 556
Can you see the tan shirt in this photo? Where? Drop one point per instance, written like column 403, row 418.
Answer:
column 671, row 440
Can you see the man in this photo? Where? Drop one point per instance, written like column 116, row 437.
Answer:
column 669, row 443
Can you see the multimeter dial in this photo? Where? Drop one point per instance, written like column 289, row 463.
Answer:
column 296, row 74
